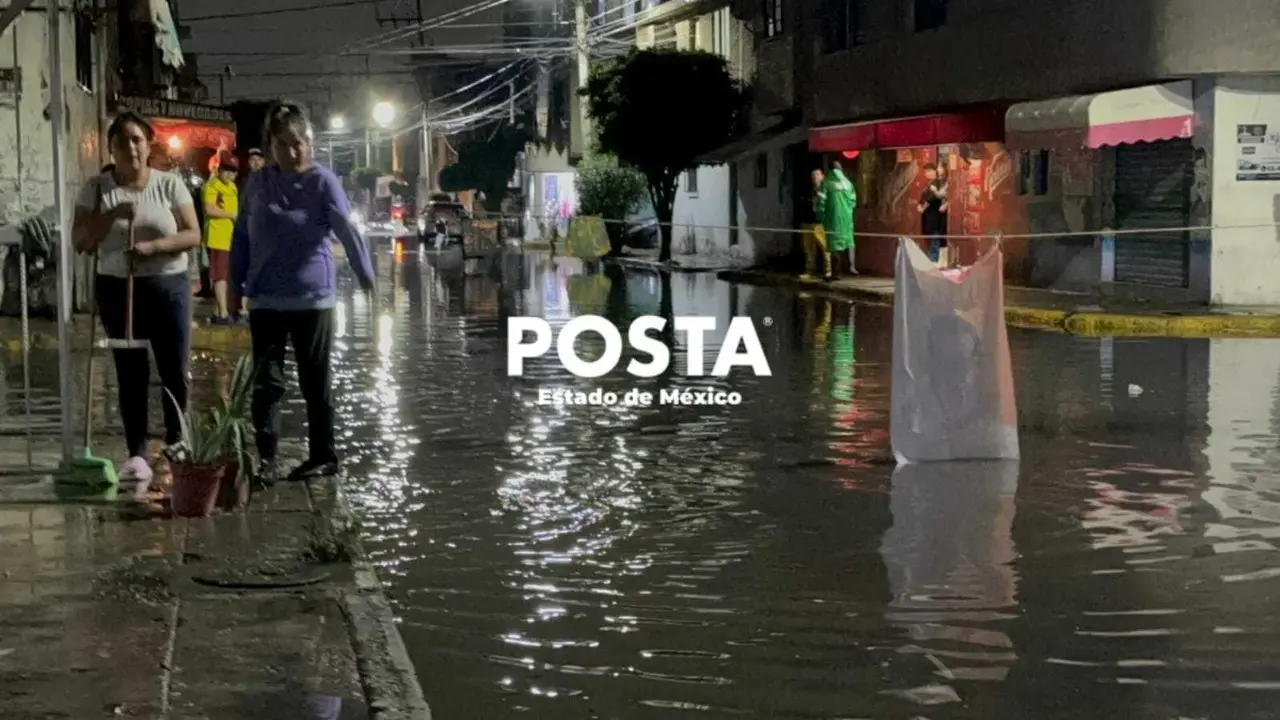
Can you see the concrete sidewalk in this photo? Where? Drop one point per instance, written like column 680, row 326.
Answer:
column 1049, row 310
column 110, row 609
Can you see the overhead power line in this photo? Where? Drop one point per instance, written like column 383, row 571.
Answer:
column 279, row 11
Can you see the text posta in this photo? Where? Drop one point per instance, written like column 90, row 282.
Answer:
column 741, row 346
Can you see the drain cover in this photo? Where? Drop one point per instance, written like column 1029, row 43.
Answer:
column 262, row 577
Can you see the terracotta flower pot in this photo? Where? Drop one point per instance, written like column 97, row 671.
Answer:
column 233, row 495
column 196, row 488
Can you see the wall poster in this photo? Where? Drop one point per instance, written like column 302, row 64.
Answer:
column 1257, row 152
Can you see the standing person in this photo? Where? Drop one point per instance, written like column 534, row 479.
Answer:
column 933, row 210
column 239, row 306
column 835, row 205
column 816, row 240
column 221, row 200
column 282, row 258
column 163, row 216
column 256, row 160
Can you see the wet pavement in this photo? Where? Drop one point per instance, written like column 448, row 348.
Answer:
column 766, row 559
column 106, row 611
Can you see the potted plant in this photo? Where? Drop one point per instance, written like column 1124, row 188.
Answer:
column 217, row 461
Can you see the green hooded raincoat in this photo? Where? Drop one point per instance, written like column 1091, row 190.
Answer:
column 834, row 205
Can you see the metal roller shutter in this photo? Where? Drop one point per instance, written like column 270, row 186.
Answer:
column 1153, row 190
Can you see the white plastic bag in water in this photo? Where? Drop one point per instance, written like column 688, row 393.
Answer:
column 952, row 395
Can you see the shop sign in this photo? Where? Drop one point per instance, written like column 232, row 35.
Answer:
column 177, row 109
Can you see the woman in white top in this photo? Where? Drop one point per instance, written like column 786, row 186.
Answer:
column 165, row 229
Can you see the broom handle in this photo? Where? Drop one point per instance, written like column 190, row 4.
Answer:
column 88, row 381
column 128, row 290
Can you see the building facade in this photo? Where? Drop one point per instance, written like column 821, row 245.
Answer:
column 104, row 52
column 1061, row 120
column 703, row 214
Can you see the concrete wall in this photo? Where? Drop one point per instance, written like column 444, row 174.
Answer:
column 1244, row 259
column 764, row 214
column 84, row 153
column 1002, row 49
column 704, row 214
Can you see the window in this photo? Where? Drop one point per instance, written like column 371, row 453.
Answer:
column 693, row 35
column 772, row 18
column 930, row 14
column 843, row 27
column 1033, row 173
column 84, row 51
column 719, row 44
column 762, row 171
column 691, row 182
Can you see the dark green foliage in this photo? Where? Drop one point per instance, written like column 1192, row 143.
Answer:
column 611, row 191
column 366, row 178
column 659, row 111
column 486, row 162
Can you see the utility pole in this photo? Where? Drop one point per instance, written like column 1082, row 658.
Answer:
column 61, row 201
column 584, row 69
column 427, row 178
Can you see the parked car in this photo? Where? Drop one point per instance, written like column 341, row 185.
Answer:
column 642, row 230
column 442, row 215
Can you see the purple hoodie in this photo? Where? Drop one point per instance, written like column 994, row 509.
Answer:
column 281, row 258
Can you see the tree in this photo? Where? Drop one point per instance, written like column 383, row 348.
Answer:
column 659, row 111
column 611, row 191
column 486, row 163
column 366, row 178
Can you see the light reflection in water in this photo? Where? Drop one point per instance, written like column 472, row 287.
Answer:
column 950, row 556
column 760, row 561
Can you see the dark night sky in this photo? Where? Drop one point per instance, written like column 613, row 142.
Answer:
column 294, row 54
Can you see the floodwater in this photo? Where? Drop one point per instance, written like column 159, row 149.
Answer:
column 766, row 560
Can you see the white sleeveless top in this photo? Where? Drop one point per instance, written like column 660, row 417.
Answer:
column 155, row 207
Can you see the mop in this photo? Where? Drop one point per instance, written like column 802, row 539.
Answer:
column 88, row 470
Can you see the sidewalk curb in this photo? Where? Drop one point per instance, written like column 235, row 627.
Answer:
column 625, row 261
column 1075, row 322
column 387, row 674
column 208, row 339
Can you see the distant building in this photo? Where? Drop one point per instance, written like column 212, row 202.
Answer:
column 1063, row 117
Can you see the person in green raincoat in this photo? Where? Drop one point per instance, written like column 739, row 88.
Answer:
column 835, row 204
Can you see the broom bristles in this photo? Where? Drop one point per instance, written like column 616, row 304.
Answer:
column 90, row 471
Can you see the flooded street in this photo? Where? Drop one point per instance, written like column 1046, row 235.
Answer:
column 766, row 560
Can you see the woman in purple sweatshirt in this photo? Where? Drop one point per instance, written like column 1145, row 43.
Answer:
column 282, row 262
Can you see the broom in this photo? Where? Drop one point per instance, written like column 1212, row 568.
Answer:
column 87, row 470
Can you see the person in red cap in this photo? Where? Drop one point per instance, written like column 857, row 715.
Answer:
column 221, row 207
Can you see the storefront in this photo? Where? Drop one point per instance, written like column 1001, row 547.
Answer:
column 189, row 136
column 1134, row 149
column 892, row 162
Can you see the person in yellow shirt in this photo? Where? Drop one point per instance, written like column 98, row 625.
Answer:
column 221, row 206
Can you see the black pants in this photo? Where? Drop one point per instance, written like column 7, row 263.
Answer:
column 311, row 334
column 161, row 315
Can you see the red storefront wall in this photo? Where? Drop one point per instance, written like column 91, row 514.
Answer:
column 890, row 176
column 983, row 201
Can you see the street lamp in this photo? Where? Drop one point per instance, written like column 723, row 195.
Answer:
column 384, row 113
column 337, row 122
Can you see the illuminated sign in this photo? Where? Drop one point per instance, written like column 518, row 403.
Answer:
column 163, row 108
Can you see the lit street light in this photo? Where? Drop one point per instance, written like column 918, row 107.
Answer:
column 337, row 122
column 384, row 113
